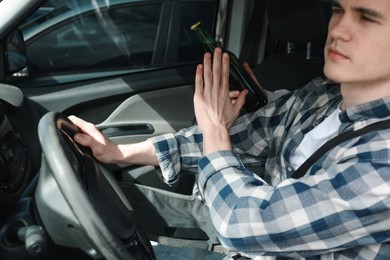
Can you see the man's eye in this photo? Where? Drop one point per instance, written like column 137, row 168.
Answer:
column 367, row 19
column 336, row 10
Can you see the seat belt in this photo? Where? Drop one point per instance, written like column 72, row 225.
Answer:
column 302, row 170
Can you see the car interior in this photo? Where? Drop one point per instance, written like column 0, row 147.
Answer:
column 56, row 200
column 306, row 26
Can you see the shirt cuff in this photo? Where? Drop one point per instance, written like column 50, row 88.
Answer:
column 167, row 156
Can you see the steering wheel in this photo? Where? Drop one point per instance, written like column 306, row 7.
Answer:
column 102, row 213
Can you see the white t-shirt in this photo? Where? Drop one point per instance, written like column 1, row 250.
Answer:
column 315, row 138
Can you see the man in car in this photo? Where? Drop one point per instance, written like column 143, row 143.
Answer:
column 341, row 207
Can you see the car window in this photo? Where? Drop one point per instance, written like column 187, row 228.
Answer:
column 96, row 40
column 193, row 11
column 80, row 37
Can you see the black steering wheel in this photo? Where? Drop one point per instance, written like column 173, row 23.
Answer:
column 102, row 213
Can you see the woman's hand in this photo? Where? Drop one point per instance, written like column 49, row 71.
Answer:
column 214, row 109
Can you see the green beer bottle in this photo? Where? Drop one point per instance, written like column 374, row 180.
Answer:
column 257, row 97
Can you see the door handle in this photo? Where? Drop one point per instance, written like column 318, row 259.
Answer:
column 122, row 130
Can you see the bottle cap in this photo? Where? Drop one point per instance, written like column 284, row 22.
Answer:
column 193, row 27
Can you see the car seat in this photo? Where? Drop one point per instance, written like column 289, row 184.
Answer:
column 293, row 24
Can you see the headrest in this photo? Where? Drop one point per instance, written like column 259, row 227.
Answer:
column 296, row 21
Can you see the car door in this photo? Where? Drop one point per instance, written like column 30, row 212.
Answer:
column 125, row 65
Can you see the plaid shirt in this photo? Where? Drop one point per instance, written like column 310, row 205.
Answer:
column 340, row 209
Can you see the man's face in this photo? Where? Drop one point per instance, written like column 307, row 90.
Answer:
column 358, row 44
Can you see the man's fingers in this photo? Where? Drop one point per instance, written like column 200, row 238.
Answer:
column 234, row 93
column 199, row 81
column 75, row 119
column 207, row 71
column 83, row 139
column 240, row 101
column 84, row 126
column 250, row 71
column 217, row 68
column 89, row 133
column 225, row 71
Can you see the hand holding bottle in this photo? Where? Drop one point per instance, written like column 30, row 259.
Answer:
column 215, row 112
column 234, row 93
column 241, row 78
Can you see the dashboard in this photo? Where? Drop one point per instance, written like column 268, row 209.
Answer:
column 20, row 152
column 13, row 156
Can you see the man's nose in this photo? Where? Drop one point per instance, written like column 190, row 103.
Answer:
column 340, row 29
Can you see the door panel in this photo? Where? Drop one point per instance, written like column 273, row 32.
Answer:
column 152, row 113
column 95, row 99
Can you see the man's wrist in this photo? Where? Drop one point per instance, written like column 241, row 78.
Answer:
column 216, row 140
column 142, row 153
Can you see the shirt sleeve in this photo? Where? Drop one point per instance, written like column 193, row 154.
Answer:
column 341, row 206
column 184, row 149
column 250, row 135
column 178, row 151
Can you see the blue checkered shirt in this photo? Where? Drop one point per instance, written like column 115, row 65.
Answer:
column 338, row 210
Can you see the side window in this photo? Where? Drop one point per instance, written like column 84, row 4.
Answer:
column 193, row 11
column 85, row 36
column 115, row 37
